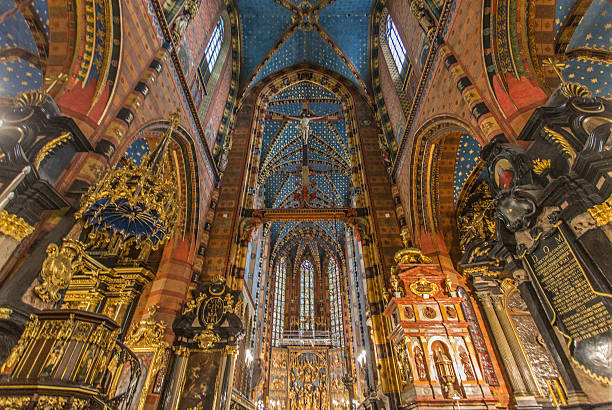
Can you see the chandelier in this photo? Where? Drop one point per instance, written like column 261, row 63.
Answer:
column 134, row 203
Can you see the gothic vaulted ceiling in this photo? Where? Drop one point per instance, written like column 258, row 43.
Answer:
column 315, row 174
column 280, row 33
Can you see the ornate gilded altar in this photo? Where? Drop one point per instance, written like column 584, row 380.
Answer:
column 307, row 378
column 432, row 339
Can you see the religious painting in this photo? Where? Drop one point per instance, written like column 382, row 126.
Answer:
column 145, row 358
column 201, row 380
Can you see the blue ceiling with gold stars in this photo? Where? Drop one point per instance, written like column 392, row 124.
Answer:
column 18, row 74
column 592, row 36
column 311, row 175
column 468, row 156
column 328, row 160
column 279, row 34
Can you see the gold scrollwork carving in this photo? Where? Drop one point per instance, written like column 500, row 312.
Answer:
column 206, row 339
column 50, row 146
column 424, row 287
column 5, row 313
column 602, row 213
column 14, row 402
column 32, row 98
column 560, row 142
column 411, row 256
column 148, row 332
column 50, row 402
column 14, row 226
column 58, row 268
column 540, row 165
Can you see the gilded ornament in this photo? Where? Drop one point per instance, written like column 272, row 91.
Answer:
column 207, row 338
column 148, row 332
column 14, row 402
column 478, row 222
column 78, row 404
column 58, row 268
column 423, row 287
column 31, row 98
column 398, row 291
column 181, row 350
column 135, row 204
column 50, row 403
column 50, row 146
column 14, row 226
column 411, row 256
column 602, row 213
column 559, row 140
column 5, row 313
column 230, row 349
column 541, row 165
column 570, row 89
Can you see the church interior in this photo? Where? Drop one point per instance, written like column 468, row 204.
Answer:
column 305, row 204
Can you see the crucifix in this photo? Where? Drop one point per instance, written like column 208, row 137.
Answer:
column 302, row 193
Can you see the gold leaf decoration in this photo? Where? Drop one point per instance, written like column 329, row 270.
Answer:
column 540, row 165
column 561, row 142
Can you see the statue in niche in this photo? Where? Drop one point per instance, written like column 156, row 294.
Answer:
column 465, row 363
column 419, row 360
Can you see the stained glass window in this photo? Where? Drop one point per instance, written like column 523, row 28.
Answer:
column 335, row 303
column 278, row 315
column 395, row 45
column 211, row 54
column 306, row 298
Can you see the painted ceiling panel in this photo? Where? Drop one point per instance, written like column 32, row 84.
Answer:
column 595, row 29
column 349, row 27
column 18, row 75
column 258, row 38
column 305, row 47
column 468, row 155
column 328, row 167
column 264, row 22
column 594, row 74
column 562, row 10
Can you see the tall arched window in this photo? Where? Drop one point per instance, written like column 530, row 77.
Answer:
column 398, row 51
column 211, row 54
column 306, row 298
column 335, row 303
column 278, row 315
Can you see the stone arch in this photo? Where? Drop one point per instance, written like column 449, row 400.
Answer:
column 379, row 228
column 433, row 162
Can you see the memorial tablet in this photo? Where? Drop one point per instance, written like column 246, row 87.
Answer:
column 575, row 305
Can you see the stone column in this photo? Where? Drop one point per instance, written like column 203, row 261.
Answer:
column 521, row 397
column 515, row 346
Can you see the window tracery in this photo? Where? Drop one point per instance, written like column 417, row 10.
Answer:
column 278, row 315
column 306, row 298
column 398, row 51
column 211, row 54
column 335, row 303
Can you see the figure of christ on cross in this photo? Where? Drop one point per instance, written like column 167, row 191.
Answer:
column 302, row 193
